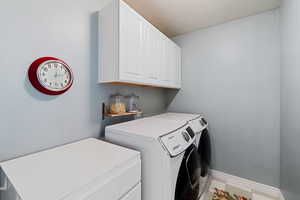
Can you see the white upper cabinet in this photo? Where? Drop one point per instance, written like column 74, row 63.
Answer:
column 133, row 51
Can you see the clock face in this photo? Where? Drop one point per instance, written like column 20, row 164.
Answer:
column 50, row 75
column 54, row 75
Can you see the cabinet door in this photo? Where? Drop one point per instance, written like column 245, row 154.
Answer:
column 172, row 64
column 154, row 58
column 163, row 75
column 149, row 50
column 130, row 44
column 178, row 67
column 175, row 65
column 168, row 69
column 170, row 73
column 145, row 64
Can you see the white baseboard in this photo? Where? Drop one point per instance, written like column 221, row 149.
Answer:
column 245, row 183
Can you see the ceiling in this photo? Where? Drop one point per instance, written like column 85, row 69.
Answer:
column 176, row 17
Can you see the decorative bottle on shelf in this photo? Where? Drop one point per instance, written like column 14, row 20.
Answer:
column 117, row 104
column 132, row 103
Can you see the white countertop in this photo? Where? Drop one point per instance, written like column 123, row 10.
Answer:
column 55, row 173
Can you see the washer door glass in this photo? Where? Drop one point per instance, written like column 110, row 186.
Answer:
column 204, row 150
column 188, row 180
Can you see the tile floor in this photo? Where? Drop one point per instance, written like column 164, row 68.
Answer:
column 233, row 189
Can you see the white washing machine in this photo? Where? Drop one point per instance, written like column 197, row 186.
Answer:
column 170, row 162
column 199, row 125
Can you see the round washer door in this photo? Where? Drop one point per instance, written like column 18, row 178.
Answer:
column 204, row 151
column 188, row 179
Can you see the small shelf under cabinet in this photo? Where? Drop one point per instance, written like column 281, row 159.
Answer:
column 105, row 114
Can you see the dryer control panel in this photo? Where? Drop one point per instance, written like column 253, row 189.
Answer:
column 178, row 141
column 198, row 124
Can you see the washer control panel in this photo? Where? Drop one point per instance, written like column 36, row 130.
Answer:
column 178, row 141
column 198, row 124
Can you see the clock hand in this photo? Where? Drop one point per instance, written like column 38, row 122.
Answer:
column 56, row 76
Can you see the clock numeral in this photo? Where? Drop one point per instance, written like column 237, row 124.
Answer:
column 45, row 80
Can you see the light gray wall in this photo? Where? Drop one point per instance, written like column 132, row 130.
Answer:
column 290, row 99
column 31, row 121
column 231, row 74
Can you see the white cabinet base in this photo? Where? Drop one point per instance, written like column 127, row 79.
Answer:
column 90, row 169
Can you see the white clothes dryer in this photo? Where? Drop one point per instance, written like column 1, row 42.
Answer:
column 199, row 126
column 170, row 163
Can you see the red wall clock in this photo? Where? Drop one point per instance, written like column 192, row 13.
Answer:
column 50, row 75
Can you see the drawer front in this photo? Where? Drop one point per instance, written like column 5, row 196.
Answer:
column 134, row 194
column 118, row 185
column 113, row 186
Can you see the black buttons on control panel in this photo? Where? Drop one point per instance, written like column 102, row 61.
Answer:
column 190, row 132
column 203, row 122
column 185, row 136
